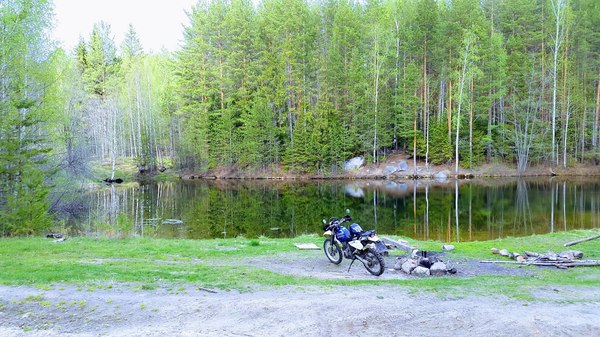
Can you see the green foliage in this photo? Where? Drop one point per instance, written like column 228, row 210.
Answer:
column 27, row 108
column 440, row 150
column 307, row 85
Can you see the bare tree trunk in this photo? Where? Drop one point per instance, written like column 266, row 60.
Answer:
column 460, row 92
column 565, row 99
column 471, row 125
column 557, row 9
column 491, row 114
column 441, row 103
column 524, row 133
column 582, row 137
column 450, row 111
column 138, row 106
column 113, row 150
column 425, row 105
column 290, row 105
column 566, row 133
column 375, row 101
column 396, row 72
column 596, row 136
column 415, row 143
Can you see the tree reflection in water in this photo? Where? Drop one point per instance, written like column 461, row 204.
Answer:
column 463, row 210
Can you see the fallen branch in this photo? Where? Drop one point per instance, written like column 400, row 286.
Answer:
column 568, row 263
column 207, row 290
column 398, row 244
column 582, row 240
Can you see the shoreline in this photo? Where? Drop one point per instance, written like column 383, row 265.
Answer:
column 377, row 173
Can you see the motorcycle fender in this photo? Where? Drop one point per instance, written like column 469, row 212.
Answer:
column 327, row 233
column 356, row 244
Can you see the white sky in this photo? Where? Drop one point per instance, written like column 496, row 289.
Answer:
column 158, row 23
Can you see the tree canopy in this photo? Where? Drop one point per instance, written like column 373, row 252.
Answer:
column 300, row 86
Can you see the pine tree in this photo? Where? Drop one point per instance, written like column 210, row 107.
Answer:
column 26, row 102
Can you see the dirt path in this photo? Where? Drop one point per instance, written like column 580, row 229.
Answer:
column 187, row 310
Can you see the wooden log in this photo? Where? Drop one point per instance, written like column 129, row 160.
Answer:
column 401, row 244
column 582, row 240
column 558, row 264
column 207, row 290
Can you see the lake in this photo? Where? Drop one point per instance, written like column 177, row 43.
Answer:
column 465, row 210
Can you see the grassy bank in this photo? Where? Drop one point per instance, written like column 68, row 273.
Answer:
column 149, row 263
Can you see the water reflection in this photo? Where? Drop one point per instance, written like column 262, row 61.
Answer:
column 428, row 210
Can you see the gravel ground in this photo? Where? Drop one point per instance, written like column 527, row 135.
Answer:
column 378, row 310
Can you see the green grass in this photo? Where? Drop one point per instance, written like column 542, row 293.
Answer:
column 93, row 263
column 536, row 243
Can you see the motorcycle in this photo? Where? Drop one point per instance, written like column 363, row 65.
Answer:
column 353, row 243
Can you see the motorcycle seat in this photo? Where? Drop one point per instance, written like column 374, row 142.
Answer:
column 367, row 233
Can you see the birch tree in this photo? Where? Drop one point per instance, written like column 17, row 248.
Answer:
column 558, row 9
column 465, row 76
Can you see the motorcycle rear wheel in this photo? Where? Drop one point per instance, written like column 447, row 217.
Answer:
column 332, row 251
column 374, row 262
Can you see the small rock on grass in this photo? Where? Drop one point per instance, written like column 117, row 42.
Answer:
column 495, row 251
column 448, row 247
column 504, row 252
column 421, row 271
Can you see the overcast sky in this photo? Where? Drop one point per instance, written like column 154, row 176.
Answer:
column 157, row 22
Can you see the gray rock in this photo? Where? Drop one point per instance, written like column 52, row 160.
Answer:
column 438, row 269
column 390, row 169
column 354, row 163
column 400, row 262
column 504, row 252
column 409, row 266
column 552, row 256
column 421, row 271
column 448, row 247
column 402, row 165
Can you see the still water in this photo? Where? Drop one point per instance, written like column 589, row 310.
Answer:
column 426, row 210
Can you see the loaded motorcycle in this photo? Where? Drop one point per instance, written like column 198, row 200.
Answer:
column 354, row 244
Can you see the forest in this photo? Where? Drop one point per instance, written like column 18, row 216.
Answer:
column 300, row 86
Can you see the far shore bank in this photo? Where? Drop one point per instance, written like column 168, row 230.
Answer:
column 394, row 167
column 382, row 171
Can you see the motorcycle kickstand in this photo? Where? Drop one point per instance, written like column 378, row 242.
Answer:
column 354, row 259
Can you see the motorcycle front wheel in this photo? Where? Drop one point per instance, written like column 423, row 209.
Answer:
column 332, row 251
column 374, row 262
